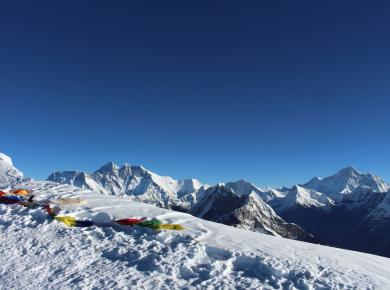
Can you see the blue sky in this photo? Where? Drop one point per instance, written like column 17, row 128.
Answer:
column 274, row 92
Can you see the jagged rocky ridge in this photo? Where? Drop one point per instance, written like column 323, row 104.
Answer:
column 137, row 182
column 348, row 209
column 247, row 211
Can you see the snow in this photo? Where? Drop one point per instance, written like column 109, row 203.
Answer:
column 39, row 254
column 136, row 181
column 304, row 197
column 346, row 181
column 8, row 173
column 221, row 204
column 243, row 187
column 5, row 160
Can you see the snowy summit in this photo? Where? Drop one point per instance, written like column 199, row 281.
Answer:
column 8, row 173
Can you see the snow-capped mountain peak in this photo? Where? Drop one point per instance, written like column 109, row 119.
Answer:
column 243, row 187
column 349, row 170
column 346, row 181
column 5, row 160
column 9, row 175
column 222, row 204
column 189, row 185
column 109, row 167
column 304, row 197
column 135, row 181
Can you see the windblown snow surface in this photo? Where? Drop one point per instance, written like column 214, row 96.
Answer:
column 37, row 253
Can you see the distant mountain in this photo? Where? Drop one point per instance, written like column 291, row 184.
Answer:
column 137, row 182
column 376, row 229
column 363, row 199
column 248, row 211
column 77, row 178
column 303, row 197
column 237, row 203
column 345, row 181
column 348, row 209
column 9, row 175
column 382, row 210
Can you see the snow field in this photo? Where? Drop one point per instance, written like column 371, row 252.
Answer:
column 38, row 253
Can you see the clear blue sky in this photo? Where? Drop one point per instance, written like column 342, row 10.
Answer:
column 271, row 91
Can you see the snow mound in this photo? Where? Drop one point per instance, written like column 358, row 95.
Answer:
column 37, row 253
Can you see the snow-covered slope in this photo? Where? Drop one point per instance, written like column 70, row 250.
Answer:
column 303, row 197
column 345, row 181
column 221, row 204
column 363, row 199
column 137, row 182
column 79, row 179
column 37, row 253
column 8, row 173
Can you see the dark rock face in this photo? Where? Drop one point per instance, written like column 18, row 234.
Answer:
column 331, row 227
column 372, row 238
column 217, row 205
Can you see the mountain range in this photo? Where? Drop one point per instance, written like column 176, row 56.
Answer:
column 240, row 203
column 348, row 209
column 137, row 182
column 203, row 255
